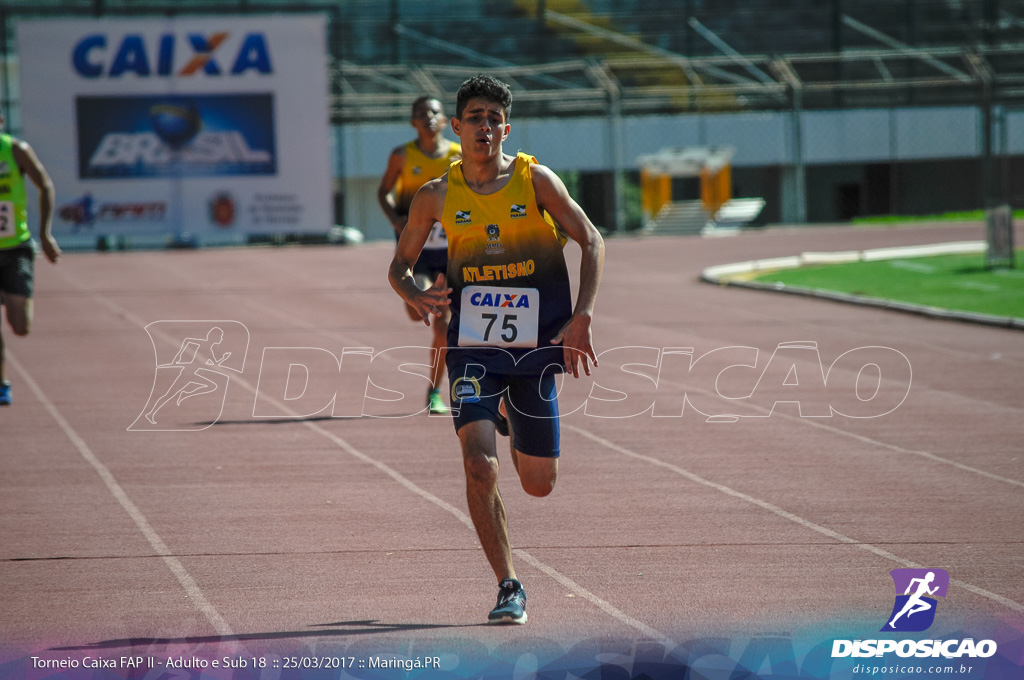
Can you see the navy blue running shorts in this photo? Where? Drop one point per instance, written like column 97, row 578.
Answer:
column 17, row 269
column 530, row 400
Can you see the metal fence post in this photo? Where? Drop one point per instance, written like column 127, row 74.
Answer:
column 798, row 158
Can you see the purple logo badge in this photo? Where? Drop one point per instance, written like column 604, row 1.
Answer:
column 916, row 589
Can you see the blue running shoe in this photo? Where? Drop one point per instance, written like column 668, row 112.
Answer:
column 5, row 393
column 511, row 607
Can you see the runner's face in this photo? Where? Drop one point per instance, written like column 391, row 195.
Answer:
column 482, row 128
column 429, row 117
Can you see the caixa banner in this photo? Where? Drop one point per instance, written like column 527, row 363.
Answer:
column 214, row 127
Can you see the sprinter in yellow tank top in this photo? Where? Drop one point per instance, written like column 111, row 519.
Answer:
column 410, row 166
column 17, row 254
column 508, row 289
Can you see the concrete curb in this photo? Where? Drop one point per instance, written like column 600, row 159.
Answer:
column 728, row 275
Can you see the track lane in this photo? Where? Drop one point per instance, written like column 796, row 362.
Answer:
column 588, row 489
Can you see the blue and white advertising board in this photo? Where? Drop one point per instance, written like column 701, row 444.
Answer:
column 197, row 127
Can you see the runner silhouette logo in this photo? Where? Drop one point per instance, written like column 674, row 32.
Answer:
column 915, row 606
column 194, row 362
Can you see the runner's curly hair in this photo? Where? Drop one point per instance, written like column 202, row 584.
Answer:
column 487, row 88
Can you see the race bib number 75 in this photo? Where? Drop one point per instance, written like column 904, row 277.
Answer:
column 499, row 317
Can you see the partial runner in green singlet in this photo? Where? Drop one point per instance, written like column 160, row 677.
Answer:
column 17, row 256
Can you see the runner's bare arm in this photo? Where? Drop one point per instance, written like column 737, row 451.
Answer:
column 387, row 183
column 427, row 207
column 575, row 336
column 30, row 166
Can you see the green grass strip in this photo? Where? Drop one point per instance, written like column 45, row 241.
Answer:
column 955, row 282
column 964, row 216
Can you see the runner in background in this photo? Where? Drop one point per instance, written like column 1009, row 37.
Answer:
column 410, row 166
column 17, row 253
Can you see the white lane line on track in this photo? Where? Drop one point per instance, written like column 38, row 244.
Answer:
column 812, row 422
column 574, row 587
column 807, row 524
column 601, row 604
column 848, row 333
column 192, row 589
column 408, row 484
column 899, row 449
column 593, row 598
column 405, row 482
column 805, row 421
column 693, row 339
column 608, row 608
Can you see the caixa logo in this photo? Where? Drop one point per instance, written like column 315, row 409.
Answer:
column 511, row 300
column 170, row 55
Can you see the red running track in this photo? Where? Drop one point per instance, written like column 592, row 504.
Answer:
column 299, row 533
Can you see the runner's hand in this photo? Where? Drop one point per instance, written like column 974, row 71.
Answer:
column 432, row 301
column 50, row 248
column 577, row 342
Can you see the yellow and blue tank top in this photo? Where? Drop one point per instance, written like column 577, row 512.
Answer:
column 418, row 170
column 510, row 285
column 13, row 199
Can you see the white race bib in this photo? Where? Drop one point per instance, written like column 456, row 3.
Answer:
column 437, row 238
column 499, row 317
column 6, row 218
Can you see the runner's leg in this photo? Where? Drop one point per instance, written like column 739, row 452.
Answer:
column 486, row 508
